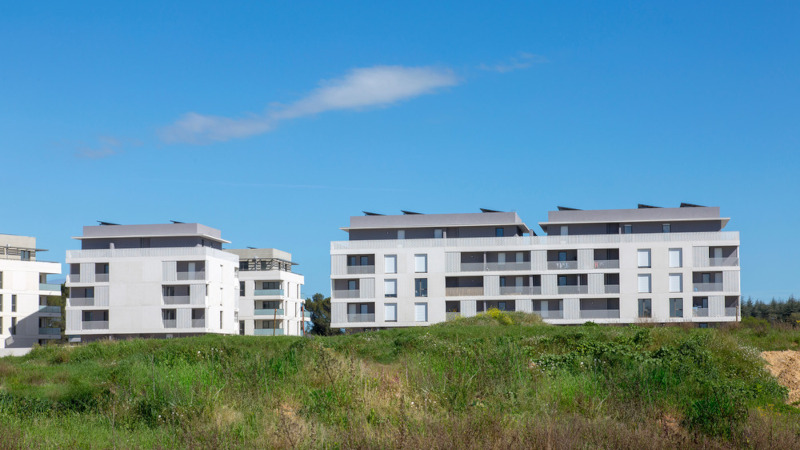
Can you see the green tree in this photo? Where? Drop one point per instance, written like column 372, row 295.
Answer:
column 320, row 308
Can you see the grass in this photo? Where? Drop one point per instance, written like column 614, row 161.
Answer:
column 498, row 380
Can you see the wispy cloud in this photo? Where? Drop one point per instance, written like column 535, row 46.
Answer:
column 362, row 88
column 523, row 61
column 106, row 146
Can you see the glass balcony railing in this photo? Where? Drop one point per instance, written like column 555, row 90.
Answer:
column 50, row 331
column 357, row 270
column 599, row 314
column 562, row 265
column 268, row 312
column 361, row 317
column 50, row 309
column 260, row 292
column 555, row 314
column 49, row 287
column 268, row 332
column 707, row 287
column 582, row 289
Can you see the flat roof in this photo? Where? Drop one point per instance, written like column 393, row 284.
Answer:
column 693, row 214
column 481, row 219
column 151, row 230
column 261, row 253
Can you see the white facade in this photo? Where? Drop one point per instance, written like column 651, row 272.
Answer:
column 25, row 317
column 686, row 271
column 270, row 294
column 151, row 281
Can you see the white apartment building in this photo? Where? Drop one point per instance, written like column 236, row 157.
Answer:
column 270, row 297
column 647, row 264
column 25, row 317
column 159, row 280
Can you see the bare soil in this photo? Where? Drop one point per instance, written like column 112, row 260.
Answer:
column 785, row 366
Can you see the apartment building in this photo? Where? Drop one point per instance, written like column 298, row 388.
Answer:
column 25, row 317
column 270, row 297
column 646, row 264
column 159, row 280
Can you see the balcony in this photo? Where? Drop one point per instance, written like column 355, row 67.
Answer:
column 101, row 278
column 94, row 325
column 268, row 312
column 359, row 270
column 508, row 266
column 463, row 291
column 599, row 314
column 170, row 323
column 699, row 312
column 186, row 276
column 81, row 301
column 606, row 264
column 520, row 290
column 74, row 278
column 557, row 314
column 177, row 299
column 707, row 287
column 731, row 311
column 452, row 315
column 361, row 317
column 611, row 289
column 49, row 287
column 731, row 261
column 50, row 331
column 578, row 289
column 562, row 265
column 49, row 309
column 473, row 267
column 346, row 293
column 268, row 332
column 198, row 323
column 307, row 314
column 260, row 292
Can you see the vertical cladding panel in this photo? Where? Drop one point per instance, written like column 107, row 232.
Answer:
column 524, row 306
column 716, row 306
column 468, row 308
column 585, row 258
column 367, row 288
column 87, row 272
column 700, row 257
column 73, row 319
column 452, row 262
column 339, row 312
column 539, row 260
column 596, row 283
column 184, row 318
column 101, row 295
column 549, row 284
column 338, row 264
column 197, row 294
column 491, row 285
column 572, row 308
column 730, row 281
column 170, row 270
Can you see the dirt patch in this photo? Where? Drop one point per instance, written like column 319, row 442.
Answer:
column 785, row 366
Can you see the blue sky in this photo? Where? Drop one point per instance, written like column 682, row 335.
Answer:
column 276, row 121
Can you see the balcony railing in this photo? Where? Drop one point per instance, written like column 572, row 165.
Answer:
column 268, row 332
column 612, row 289
column 729, row 261
column 599, row 314
column 508, row 266
column 198, row 323
column 520, row 290
column 562, row 265
column 259, row 292
column 74, row 278
column 699, row 312
column 50, row 331
column 191, row 276
column 49, row 309
column 357, row 270
column 94, row 325
column 170, row 323
column 731, row 311
column 473, row 267
column 307, row 314
column 581, row 289
column 268, row 312
column 606, row 264
column 346, row 293
column 452, row 315
column 177, row 299
column 361, row 317
column 101, row 278
column 81, row 301
column 459, row 291
column 557, row 314
column 707, row 287
column 49, row 287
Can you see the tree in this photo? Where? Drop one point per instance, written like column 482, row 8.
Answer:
column 320, row 308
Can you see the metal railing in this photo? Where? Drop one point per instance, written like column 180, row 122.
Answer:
column 729, row 261
column 101, row 278
column 612, row 289
column 606, row 264
column 259, row 292
column 556, row 314
column 198, row 323
column 361, row 317
column 49, row 287
column 152, row 252
column 50, row 331
column 268, row 312
column 346, row 293
column 177, row 299
column 94, row 325
column 599, row 314
column 170, row 323
column 459, row 291
column 578, row 289
column 201, row 275
column 520, row 290
column 357, row 270
column 731, row 311
column 707, row 287
column 81, row 301
column 562, row 265
column 508, row 266
column 699, row 312
column 473, row 267
column 268, row 332
column 452, row 315
column 44, row 309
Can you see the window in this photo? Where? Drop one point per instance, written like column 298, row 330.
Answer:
column 645, row 308
column 401, row 234
column 241, row 288
column 220, row 320
column 520, row 257
column 390, row 288
column 365, row 260
column 438, row 233
column 564, row 230
column 352, row 285
column 1, row 325
column 1, row 280
column 421, row 287
column 168, row 318
column 1, row 302
column 499, row 232
column 145, row 242
column 13, row 326
column 644, row 283
column 271, row 285
column 241, row 327
column 390, row 312
column 420, row 263
column 644, row 257
column 562, row 280
column 675, row 257
column 243, row 265
column 169, row 291
column 13, row 303
column 25, row 255
column 627, row 229
column 501, row 258
column 562, row 256
column 390, row 263
column 676, row 307
column 420, row 312
column 665, row 228
column 675, row 282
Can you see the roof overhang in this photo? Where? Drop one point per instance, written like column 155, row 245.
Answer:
column 127, row 236
column 723, row 220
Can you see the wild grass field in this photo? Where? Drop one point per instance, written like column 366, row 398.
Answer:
column 494, row 381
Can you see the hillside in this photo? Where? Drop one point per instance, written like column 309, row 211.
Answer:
column 485, row 382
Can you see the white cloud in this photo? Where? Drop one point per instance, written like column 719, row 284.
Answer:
column 523, row 61
column 107, row 146
column 359, row 89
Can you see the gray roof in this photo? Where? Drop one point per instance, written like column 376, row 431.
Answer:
column 634, row 215
column 261, row 253
column 151, row 230
column 481, row 219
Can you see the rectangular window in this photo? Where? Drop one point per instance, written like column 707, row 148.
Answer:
column 665, row 228
column 220, row 320
column 390, row 312
column 13, row 326
column 645, row 308
column 501, row 258
column 627, row 229
column 25, row 255
column 644, row 283
column 352, row 285
column 520, row 257
column 390, row 288
column 241, row 288
column 421, row 287
column 499, row 232
column 421, row 312
column 243, row 265
column 13, row 303
column 390, row 263
column 401, row 234
column 675, row 257
column 365, row 260
column 1, row 280
column 676, row 307
column 644, row 257
column 564, row 230
column 438, row 233
column 675, row 282
column 420, row 263
column 1, row 302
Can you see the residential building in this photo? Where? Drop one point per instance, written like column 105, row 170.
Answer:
column 648, row 264
column 160, row 280
column 25, row 317
column 270, row 298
